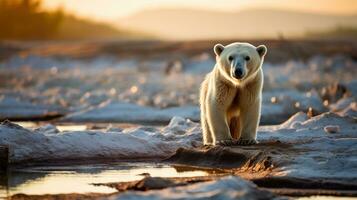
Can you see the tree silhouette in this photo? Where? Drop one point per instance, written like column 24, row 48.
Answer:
column 24, row 19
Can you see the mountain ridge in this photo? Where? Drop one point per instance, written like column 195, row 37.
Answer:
column 183, row 23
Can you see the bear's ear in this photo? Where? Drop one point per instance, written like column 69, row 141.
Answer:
column 218, row 48
column 262, row 50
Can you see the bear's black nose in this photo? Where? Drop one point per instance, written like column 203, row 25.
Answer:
column 238, row 73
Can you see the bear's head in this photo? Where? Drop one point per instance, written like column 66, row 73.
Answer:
column 239, row 61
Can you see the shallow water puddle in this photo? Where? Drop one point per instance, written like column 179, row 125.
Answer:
column 80, row 178
column 78, row 127
column 64, row 127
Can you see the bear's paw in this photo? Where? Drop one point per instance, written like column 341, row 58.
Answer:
column 247, row 141
column 226, row 142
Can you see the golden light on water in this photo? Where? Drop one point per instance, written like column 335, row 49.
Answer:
column 112, row 91
column 273, row 99
column 65, row 182
column 71, row 127
column 134, row 89
column 61, row 183
column 61, row 127
column 326, row 103
column 27, row 124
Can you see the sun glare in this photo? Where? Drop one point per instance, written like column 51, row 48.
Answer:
column 114, row 9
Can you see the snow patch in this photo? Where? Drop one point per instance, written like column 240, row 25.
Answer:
column 115, row 111
column 17, row 108
column 47, row 143
column 316, row 153
column 229, row 187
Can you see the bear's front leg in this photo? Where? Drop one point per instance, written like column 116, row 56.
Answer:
column 250, row 116
column 218, row 125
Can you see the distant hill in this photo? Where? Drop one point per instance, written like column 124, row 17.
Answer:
column 257, row 23
column 72, row 27
column 339, row 32
column 27, row 20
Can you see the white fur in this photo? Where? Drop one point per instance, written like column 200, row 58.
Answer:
column 230, row 107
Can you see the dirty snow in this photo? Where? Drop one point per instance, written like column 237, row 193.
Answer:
column 77, row 87
column 128, row 112
column 118, row 111
column 48, row 143
column 20, row 109
column 317, row 152
column 229, row 187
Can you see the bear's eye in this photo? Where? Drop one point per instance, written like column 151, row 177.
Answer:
column 247, row 58
column 230, row 58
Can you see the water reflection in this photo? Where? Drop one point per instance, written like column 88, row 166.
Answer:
column 60, row 127
column 80, row 178
column 71, row 127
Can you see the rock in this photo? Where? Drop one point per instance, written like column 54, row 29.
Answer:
column 332, row 129
column 146, row 174
column 222, row 157
column 154, row 183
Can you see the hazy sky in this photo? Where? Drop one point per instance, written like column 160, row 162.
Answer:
column 109, row 10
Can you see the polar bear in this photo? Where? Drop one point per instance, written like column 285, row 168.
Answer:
column 230, row 95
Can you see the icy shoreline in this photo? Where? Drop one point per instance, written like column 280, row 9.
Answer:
column 316, row 152
column 48, row 143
